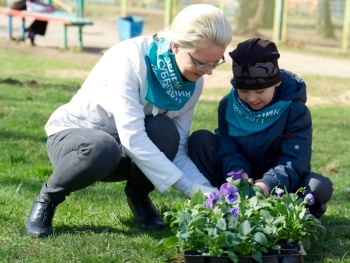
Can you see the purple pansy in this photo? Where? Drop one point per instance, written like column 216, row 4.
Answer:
column 212, row 199
column 235, row 175
column 234, row 211
column 228, row 188
column 230, row 192
column 279, row 191
column 309, row 199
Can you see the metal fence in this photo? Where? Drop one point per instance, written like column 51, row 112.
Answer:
column 299, row 20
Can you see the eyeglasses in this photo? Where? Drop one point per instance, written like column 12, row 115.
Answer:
column 201, row 66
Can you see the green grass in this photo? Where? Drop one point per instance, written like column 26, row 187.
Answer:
column 95, row 224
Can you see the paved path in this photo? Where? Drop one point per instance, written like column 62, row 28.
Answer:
column 299, row 63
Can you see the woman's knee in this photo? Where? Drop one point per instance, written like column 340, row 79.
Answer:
column 163, row 132
column 95, row 148
column 103, row 146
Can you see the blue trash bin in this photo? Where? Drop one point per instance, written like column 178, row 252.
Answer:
column 129, row 27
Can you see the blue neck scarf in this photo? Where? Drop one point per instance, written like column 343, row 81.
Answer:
column 243, row 122
column 166, row 87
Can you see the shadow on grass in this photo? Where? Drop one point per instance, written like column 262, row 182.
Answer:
column 28, row 184
column 35, row 84
column 129, row 228
column 87, row 229
column 22, row 136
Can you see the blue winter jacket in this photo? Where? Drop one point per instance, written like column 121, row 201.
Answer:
column 280, row 155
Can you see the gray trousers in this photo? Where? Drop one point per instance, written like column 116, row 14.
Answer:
column 202, row 149
column 84, row 156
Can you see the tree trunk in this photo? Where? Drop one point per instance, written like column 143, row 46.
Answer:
column 254, row 14
column 264, row 14
column 246, row 11
column 324, row 26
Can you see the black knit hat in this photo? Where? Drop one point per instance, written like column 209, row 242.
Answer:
column 255, row 64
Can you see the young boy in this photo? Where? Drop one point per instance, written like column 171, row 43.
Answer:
column 264, row 128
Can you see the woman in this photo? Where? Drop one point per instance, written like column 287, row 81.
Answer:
column 131, row 118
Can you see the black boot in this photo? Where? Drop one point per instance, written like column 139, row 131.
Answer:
column 145, row 212
column 39, row 222
column 137, row 189
column 318, row 210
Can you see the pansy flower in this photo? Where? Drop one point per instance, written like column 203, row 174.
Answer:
column 309, row 199
column 230, row 191
column 235, row 175
column 212, row 199
column 279, row 191
column 234, row 211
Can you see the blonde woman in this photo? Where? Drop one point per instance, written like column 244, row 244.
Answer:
column 131, row 119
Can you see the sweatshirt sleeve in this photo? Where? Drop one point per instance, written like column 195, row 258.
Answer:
column 183, row 121
column 295, row 150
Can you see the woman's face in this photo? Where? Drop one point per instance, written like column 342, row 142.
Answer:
column 257, row 99
column 204, row 57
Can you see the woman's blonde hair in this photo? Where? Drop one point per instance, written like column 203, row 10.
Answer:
column 198, row 26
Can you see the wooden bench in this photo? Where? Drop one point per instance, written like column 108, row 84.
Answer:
column 66, row 18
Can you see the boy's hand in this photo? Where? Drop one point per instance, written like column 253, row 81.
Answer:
column 264, row 187
column 245, row 176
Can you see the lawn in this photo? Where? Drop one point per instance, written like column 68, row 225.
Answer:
column 95, row 224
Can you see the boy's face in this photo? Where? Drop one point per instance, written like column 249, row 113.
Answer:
column 257, row 99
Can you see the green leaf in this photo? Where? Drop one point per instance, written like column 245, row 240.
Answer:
column 250, row 181
column 221, row 224
column 306, row 243
column 199, row 221
column 186, row 234
column 212, row 232
column 278, row 219
column 232, row 239
column 197, row 198
column 258, row 256
column 266, row 215
column 180, row 207
column 276, row 247
column 260, row 196
column 245, row 191
column 233, row 256
column 253, row 201
column 258, row 189
column 245, row 228
column 260, row 238
column 168, row 242
column 184, row 217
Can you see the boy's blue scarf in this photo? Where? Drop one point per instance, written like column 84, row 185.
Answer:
column 243, row 122
column 166, row 87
